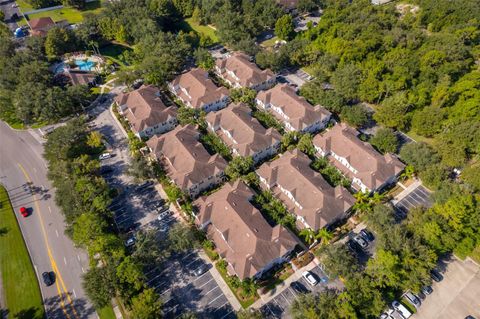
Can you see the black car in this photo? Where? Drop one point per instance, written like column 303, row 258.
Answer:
column 48, row 278
column 427, row 290
column 436, row 275
column 298, row 287
column 354, row 247
column 367, row 235
column 106, row 169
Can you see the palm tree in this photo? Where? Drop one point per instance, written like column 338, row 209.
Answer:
column 377, row 198
column 362, row 203
column 308, row 234
column 324, row 235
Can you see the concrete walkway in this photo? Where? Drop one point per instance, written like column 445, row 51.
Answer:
column 221, row 283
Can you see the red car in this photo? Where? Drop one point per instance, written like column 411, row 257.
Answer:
column 23, row 211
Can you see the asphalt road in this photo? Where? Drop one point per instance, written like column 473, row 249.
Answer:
column 8, row 10
column 23, row 172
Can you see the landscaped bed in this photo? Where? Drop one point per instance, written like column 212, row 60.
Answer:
column 245, row 300
column 20, row 285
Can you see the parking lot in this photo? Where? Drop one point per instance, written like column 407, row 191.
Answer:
column 302, row 21
column 295, row 77
column 182, row 291
column 279, row 306
column 420, row 196
column 456, row 296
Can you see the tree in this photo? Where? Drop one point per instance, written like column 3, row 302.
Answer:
column 182, row 238
column 355, row 115
column 385, row 140
column 384, row 269
column 79, row 4
column 186, row 115
column 148, row 250
column 380, row 218
column 239, row 166
column 338, row 261
column 243, row 95
column 204, row 59
column 308, row 235
column 434, row 175
column 99, row 286
column 140, row 169
column 324, row 235
column 393, row 112
column 420, row 155
column 94, row 139
column 284, row 27
column 147, row 305
column 471, row 175
column 59, row 41
column 305, row 144
column 345, row 81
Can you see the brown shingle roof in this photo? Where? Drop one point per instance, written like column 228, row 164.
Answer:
column 188, row 162
column 300, row 113
column 374, row 169
column 44, row 23
column 249, row 136
column 245, row 72
column 240, row 233
column 145, row 108
column 317, row 202
column 81, row 77
column 200, row 90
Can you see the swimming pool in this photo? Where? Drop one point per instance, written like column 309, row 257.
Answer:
column 84, row 65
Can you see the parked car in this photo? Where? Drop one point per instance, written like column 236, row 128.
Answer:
column 354, row 247
column 385, row 316
column 298, row 287
column 367, row 235
column 200, row 270
column 130, row 242
column 48, row 278
column 362, row 242
column 310, row 278
column 23, row 211
column 163, row 215
column 106, row 169
column 413, row 299
column 436, row 275
column 427, row 290
column 401, row 309
column 104, row 156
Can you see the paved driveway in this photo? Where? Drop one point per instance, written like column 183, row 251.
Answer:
column 279, row 306
column 182, row 291
column 456, row 296
column 420, row 196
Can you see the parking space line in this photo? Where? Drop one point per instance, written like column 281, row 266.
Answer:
column 219, row 308
column 211, row 290
column 292, row 291
column 285, row 298
column 410, row 197
column 227, row 313
column 197, row 259
column 205, row 283
column 175, row 307
column 200, row 277
column 165, row 291
column 215, row 299
column 416, row 196
column 193, row 252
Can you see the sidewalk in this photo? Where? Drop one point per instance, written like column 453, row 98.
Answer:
column 220, row 282
column 285, row 284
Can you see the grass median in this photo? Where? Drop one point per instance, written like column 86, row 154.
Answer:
column 19, row 283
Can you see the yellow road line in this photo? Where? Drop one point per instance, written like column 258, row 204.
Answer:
column 50, row 256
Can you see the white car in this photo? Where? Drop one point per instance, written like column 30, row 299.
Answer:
column 309, row 278
column 130, row 241
column 104, row 156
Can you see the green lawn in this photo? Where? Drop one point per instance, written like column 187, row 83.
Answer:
column 116, row 53
column 70, row 14
column 207, row 31
column 106, row 313
column 245, row 303
column 20, row 284
column 269, row 43
column 24, row 6
column 10, row 119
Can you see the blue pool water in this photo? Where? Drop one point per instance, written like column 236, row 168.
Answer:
column 84, row 65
